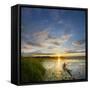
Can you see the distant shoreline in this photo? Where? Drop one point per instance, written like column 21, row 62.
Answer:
column 54, row 57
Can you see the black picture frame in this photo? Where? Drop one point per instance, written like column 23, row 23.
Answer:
column 16, row 43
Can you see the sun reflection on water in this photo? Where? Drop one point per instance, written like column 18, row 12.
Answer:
column 59, row 66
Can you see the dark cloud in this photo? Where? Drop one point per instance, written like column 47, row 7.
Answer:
column 56, row 43
column 51, row 37
column 35, row 44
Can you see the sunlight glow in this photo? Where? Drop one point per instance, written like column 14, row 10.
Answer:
column 59, row 66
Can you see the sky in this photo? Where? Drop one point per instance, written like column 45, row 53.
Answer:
column 52, row 31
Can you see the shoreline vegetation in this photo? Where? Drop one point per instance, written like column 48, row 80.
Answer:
column 33, row 71
column 55, row 57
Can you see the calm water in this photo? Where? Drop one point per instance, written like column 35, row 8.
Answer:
column 55, row 71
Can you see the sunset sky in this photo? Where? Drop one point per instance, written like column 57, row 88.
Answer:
column 52, row 31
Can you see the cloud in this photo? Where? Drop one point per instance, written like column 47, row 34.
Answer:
column 50, row 47
column 76, row 51
column 35, row 44
column 40, row 36
column 59, row 40
column 66, row 37
column 78, row 43
column 36, row 38
column 35, row 41
column 43, row 40
column 56, row 43
column 77, row 47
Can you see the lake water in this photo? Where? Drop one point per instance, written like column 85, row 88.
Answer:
column 55, row 71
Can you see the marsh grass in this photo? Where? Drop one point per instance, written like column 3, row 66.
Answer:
column 31, row 70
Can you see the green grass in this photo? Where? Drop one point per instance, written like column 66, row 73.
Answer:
column 31, row 70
